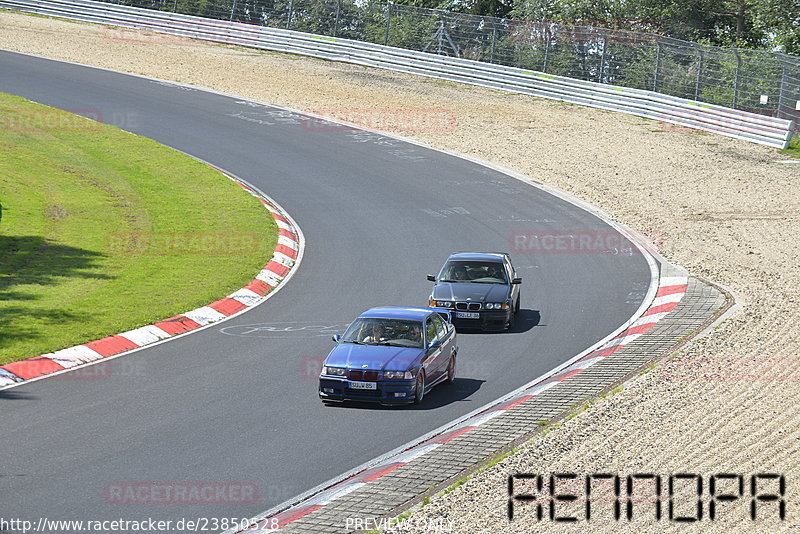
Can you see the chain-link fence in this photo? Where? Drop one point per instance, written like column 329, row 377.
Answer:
column 759, row 81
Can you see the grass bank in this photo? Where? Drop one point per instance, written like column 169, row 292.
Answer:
column 103, row 231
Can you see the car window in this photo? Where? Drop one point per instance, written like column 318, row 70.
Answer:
column 510, row 268
column 485, row 272
column 430, row 330
column 381, row 331
column 441, row 329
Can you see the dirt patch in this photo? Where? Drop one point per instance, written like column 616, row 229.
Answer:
column 55, row 212
column 721, row 207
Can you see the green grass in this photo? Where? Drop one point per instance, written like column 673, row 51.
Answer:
column 794, row 147
column 74, row 194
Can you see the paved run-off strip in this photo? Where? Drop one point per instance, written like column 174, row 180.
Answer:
column 286, row 256
column 682, row 306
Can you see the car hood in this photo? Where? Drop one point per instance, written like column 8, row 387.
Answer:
column 470, row 291
column 373, row 357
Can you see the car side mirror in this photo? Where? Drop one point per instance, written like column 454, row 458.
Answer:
column 434, row 344
column 336, row 337
column 431, row 278
column 516, row 281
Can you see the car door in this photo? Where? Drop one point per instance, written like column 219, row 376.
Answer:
column 432, row 360
column 446, row 337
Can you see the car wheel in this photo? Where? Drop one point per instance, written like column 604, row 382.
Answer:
column 511, row 320
column 451, row 370
column 516, row 308
column 419, row 389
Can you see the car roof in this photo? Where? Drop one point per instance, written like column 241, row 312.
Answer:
column 479, row 256
column 398, row 312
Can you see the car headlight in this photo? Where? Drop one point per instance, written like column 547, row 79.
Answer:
column 443, row 304
column 492, row 305
column 334, row 371
column 398, row 375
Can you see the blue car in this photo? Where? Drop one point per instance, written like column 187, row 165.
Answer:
column 390, row 355
column 480, row 288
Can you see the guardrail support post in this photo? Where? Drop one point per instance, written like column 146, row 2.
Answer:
column 388, row 22
column 736, row 79
column 291, row 12
column 699, row 75
column 233, row 10
column 658, row 66
column 336, row 20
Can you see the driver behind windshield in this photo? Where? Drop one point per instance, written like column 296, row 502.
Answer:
column 378, row 334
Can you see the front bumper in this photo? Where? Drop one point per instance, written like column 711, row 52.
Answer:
column 488, row 320
column 386, row 392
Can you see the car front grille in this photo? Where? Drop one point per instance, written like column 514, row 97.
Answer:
column 359, row 374
column 468, row 306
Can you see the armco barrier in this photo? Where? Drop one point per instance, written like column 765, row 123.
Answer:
column 752, row 127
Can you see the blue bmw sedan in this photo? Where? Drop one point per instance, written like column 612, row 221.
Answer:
column 390, row 355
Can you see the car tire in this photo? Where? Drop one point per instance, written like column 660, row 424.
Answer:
column 419, row 389
column 511, row 319
column 451, row 370
column 516, row 308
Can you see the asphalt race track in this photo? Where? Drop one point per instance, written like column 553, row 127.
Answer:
column 237, row 402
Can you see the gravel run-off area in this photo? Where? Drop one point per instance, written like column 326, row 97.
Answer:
column 724, row 209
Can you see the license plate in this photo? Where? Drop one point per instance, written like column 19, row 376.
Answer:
column 363, row 385
column 468, row 315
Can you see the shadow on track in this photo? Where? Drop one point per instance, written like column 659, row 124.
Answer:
column 442, row 395
column 525, row 320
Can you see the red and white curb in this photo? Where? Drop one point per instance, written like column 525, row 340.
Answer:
column 671, row 290
column 286, row 256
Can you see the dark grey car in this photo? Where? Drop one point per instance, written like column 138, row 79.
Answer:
column 480, row 289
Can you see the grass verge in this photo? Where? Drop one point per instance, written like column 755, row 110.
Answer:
column 794, row 147
column 102, row 231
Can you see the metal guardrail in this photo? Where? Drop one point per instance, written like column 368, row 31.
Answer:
column 752, row 127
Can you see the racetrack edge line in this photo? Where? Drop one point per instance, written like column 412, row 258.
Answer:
column 284, row 280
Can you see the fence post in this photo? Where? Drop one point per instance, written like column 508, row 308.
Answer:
column 546, row 48
column 233, row 10
column 699, row 74
column 736, row 79
column 658, row 67
column 291, row 12
column 175, row 7
column 388, row 22
column 494, row 39
column 782, row 89
column 603, row 58
column 336, row 20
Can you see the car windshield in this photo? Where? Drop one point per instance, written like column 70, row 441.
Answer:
column 481, row 272
column 379, row 331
